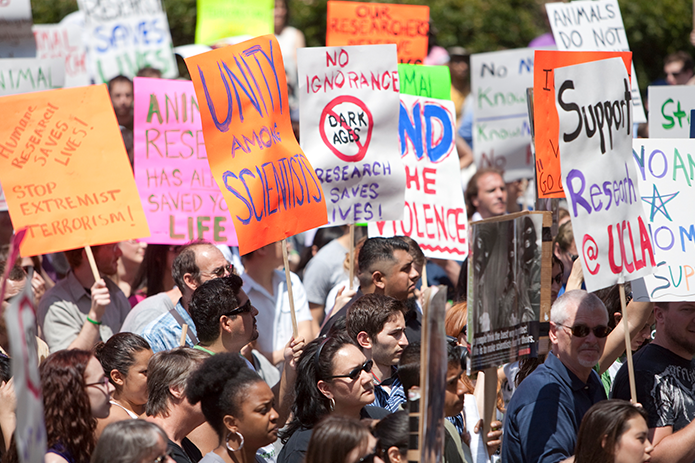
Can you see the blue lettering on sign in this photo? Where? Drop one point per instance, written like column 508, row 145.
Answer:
column 126, row 35
column 436, row 143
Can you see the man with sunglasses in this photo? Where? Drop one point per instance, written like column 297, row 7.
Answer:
column 546, row 409
column 678, row 68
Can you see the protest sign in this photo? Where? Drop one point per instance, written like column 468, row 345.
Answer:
column 348, row 122
column 435, row 212
column 219, row 19
column 548, row 175
column 664, row 170
column 181, row 199
column 16, row 39
column 64, row 41
column 65, row 171
column 23, row 75
column 269, row 185
column 670, row 110
column 429, row 81
column 501, row 131
column 594, row 26
column 504, row 298
column 127, row 36
column 357, row 23
column 599, row 175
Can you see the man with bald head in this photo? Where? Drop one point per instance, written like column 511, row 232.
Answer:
column 195, row 264
column 546, row 409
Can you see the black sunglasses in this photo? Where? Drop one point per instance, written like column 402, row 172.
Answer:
column 241, row 309
column 355, row 372
column 221, row 271
column 582, row 331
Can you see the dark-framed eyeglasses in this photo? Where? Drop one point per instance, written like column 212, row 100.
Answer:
column 221, row 271
column 104, row 381
column 355, row 372
column 241, row 309
column 163, row 457
column 581, row 330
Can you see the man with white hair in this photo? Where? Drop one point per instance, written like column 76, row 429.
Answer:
column 546, row 409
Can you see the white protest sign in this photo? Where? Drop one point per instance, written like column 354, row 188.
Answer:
column 64, row 41
column 598, row 172
column 22, row 75
column 670, row 105
column 593, row 26
column 124, row 36
column 664, row 170
column 349, row 105
column 501, row 131
column 16, row 38
column 435, row 212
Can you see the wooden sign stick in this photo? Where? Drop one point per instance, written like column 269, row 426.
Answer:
column 184, row 332
column 288, row 280
column 628, row 347
column 351, row 255
column 92, row 263
column 424, row 285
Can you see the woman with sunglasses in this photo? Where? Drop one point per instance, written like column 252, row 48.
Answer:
column 340, row 439
column 237, row 404
column 132, row 441
column 333, row 377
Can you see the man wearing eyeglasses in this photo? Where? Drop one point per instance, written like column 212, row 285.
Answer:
column 546, row 409
column 678, row 68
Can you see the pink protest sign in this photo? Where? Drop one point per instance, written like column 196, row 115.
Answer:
column 181, row 199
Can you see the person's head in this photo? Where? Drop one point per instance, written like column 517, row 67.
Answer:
column 578, row 330
column 156, row 268
column 149, row 71
column 456, row 323
column 105, row 256
column 556, row 278
column 675, row 323
column 340, row 439
column 280, row 15
column 565, row 249
column 132, row 441
column 121, row 92
column 377, row 324
column 75, row 393
column 220, row 307
column 167, row 375
column 678, row 68
column 132, row 252
column 268, row 257
column 386, row 267
column 197, row 263
column 16, row 280
column 234, row 400
column 613, row 431
column 393, row 433
column 487, row 193
column 124, row 358
column 459, row 62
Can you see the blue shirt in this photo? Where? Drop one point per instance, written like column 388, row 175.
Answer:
column 164, row 332
column 544, row 414
column 390, row 400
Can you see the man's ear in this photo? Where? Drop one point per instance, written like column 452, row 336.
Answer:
column 117, row 377
column 325, row 388
column 190, row 281
column 364, row 340
column 178, row 392
column 475, row 201
column 552, row 333
column 224, row 324
column 379, row 279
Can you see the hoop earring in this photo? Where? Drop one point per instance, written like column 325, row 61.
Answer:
column 241, row 445
column 331, row 404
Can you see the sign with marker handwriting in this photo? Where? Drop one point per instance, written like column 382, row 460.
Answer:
column 349, row 100
column 23, row 75
column 65, row 171
column 181, row 199
column 501, row 131
column 599, row 175
column 548, row 175
column 269, row 184
column 219, row 19
column 594, row 26
column 670, row 114
column 428, row 81
column 664, row 170
column 357, row 23
column 435, row 212
column 64, row 41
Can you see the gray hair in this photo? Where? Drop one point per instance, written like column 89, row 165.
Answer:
column 573, row 300
column 128, row 441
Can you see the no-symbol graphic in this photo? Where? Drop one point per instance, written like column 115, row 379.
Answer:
column 346, row 128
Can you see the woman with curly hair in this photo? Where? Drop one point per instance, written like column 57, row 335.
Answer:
column 75, row 393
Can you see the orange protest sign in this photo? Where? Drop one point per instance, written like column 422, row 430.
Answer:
column 65, row 171
column 267, row 181
column 545, row 119
column 356, row 23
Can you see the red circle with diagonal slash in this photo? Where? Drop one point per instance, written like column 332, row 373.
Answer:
column 361, row 147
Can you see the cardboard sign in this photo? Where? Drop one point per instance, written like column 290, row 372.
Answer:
column 357, row 23
column 64, row 41
column 126, row 37
column 16, row 39
column 428, row 81
column 181, row 199
column 548, row 175
column 65, row 171
column 666, row 186
column 349, row 100
column 670, row 110
column 269, row 185
column 504, row 298
column 219, row 19
column 594, row 26
column 435, row 212
column 501, row 131
column 600, row 178
column 23, row 75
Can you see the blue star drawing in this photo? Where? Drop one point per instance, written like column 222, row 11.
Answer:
column 657, row 198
